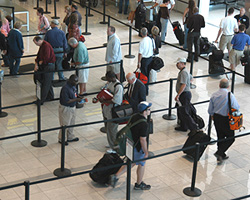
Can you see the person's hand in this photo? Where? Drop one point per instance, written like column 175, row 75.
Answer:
column 78, row 99
column 138, row 65
column 40, row 62
column 176, row 98
column 146, row 155
column 4, row 52
column 216, row 41
column 22, row 51
column 36, row 67
column 72, row 64
column 65, row 55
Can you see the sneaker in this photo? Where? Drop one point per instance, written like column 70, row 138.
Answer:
column 142, row 186
column 111, row 151
column 113, row 180
column 103, row 130
column 73, row 140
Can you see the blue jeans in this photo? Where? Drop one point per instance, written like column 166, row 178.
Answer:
column 185, row 37
column 164, row 26
column 125, row 6
column 59, row 59
column 14, row 65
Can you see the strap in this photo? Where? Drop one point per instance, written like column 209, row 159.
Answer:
column 229, row 103
column 118, row 84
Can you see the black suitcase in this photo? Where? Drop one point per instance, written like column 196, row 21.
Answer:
column 217, row 55
column 247, row 73
column 178, row 32
column 149, row 25
column 215, row 66
column 206, row 47
column 199, row 137
column 245, row 61
column 140, row 15
column 102, row 177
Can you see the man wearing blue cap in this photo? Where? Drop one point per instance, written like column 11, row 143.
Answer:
column 139, row 135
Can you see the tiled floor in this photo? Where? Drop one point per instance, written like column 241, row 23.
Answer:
column 167, row 175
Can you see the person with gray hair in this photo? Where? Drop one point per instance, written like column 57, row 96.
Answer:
column 145, row 55
column 15, row 48
column 218, row 109
column 136, row 91
column 81, row 60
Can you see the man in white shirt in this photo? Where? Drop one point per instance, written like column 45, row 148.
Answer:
column 145, row 54
column 228, row 26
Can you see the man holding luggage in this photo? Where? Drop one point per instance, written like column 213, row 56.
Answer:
column 183, row 98
column 139, row 135
column 218, row 109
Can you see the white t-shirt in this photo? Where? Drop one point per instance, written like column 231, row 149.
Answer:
column 172, row 2
column 146, row 47
column 228, row 24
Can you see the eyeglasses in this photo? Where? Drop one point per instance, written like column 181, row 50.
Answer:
column 149, row 109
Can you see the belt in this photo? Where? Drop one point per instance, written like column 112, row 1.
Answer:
column 227, row 35
column 57, row 47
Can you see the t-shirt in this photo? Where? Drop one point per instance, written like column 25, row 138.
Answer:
column 240, row 40
column 228, row 24
column 139, row 130
column 172, row 2
column 183, row 78
column 81, row 54
column 68, row 92
column 146, row 47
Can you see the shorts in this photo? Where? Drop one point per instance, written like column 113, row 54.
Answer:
column 83, row 74
column 225, row 41
column 114, row 68
column 139, row 155
column 235, row 56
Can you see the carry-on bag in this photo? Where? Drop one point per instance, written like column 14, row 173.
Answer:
column 178, row 31
column 245, row 61
column 140, row 15
column 216, row 65
column 206, row 47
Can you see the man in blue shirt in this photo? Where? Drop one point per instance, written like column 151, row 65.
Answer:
column 67, row 108
column 57, row 40
column 238, row 42
column 218, row 109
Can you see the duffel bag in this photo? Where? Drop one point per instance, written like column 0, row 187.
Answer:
column 157, row 63
column 124, row 110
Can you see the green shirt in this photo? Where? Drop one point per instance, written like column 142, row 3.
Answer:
column 81, row 54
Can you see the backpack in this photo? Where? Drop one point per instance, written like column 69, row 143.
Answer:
column 125, row 133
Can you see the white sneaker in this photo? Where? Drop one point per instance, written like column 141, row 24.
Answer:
column 111, row 151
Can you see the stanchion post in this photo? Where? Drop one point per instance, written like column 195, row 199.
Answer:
column 128, row 179
column 226, row 10
column 27, row 190
column 233, row 81
column 90, row 15
column 193, row 191
column 55, row 17
column 86, row 20
column 170, row 116
column 46, row 7
column 129, row 45
column 60, row 172
column 37, row 5
column 150, row 153
column 105, row 44
column 70, row 2
column 104, row 13
column 13, row 15
column 121, row 71
column 2, row 114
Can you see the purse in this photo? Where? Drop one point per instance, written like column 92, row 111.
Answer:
column 235, row 116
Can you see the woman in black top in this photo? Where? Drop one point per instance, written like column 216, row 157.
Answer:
column 164, row 18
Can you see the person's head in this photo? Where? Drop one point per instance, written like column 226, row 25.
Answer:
column 181, row 63
column 196, row 10
column 144, row 32
column 74, row 7
column 110, row 76
column 54, row 23
column 242, row 11
column 130, row 78
column 39, row 11
column 73, row 19
column 224, row 83
column 73, row 42
column 144, row 108
column 191, row 5
column 73, row 80
column 9, row 18
column 110, row 30
column 18, row 25
column 242, row 28
column 155, row 30
column 230, row 11
column 38, row 40
column 67, row 9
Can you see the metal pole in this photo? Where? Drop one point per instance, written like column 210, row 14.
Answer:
column 104, row 13
column 192, row 191
column 13, row 14
column 226, row 10
column 209, row 126
column 90, row 15
column 55, row 17
column 46, row 7
column 128, row 179
column 129, row 45
column 27, row 190
column 105, row 44
column 170, row 116
column 233, row 81
column 37, row 6
column 2, row 114
column 70, row 2
column 121, row 72
column 86, row 21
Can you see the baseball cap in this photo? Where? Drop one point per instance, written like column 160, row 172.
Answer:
column 182, row 60
column 55, row 21
column 143, row 106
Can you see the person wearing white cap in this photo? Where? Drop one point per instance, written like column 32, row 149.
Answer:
column 139, row 135
column 183, row 98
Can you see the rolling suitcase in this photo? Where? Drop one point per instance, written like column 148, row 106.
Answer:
column 178, row 32
column 140, row 15
column 199, row 137
column 102, row 177
column 216, row 65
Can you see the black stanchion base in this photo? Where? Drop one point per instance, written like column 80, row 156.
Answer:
column 192, row 86
column 196, row 193
column 36, row 143
column 89, row 15
column 169, row 117
column 47, row 12
column 55, row 17
column 105, row 44
column 103, row 22
column 150, row 154
column 3, row 114
column 129, row 56
column 86, row 33
column 35, row 8
column 59, row 173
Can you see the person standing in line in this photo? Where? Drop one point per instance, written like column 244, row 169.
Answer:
column 113, row 52
column 126, row 3
column 44, row 62
column 67, row 109
column 74, row 10
column 218, row 109
column 133, row 5
column 183, row 98
column 242, row 18
column 164, row 18
column 3, row 44
column 228, row 26
column 73, row 28
column 159, row 2
column 57, row 40
column 15, row 48
column 139, row 135
column 67, row 10
column 43, row 24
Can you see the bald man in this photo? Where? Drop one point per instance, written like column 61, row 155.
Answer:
column 242, row 18
column 136, row 91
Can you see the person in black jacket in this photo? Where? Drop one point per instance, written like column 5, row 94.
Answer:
column 3, row 44
column 136, row 91
column 242, row 18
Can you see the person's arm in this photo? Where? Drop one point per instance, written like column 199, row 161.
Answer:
column 218, row 35
column 156, row 4
column 143, row 141
column 139, row 60
column 184, row 14
column 172, row 7
column 180, row 91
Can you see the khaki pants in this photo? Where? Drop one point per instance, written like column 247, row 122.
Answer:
column 235, row 56
column 225, row 41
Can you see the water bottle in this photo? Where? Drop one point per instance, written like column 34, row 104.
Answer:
column 85, row 100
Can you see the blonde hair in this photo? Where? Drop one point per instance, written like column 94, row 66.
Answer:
column 68, row 8
column 18, row 25
column 155, row 30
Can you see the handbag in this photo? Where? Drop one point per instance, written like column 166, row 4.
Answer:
column 123, row 110
column 156, row 64
column 235, row 116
